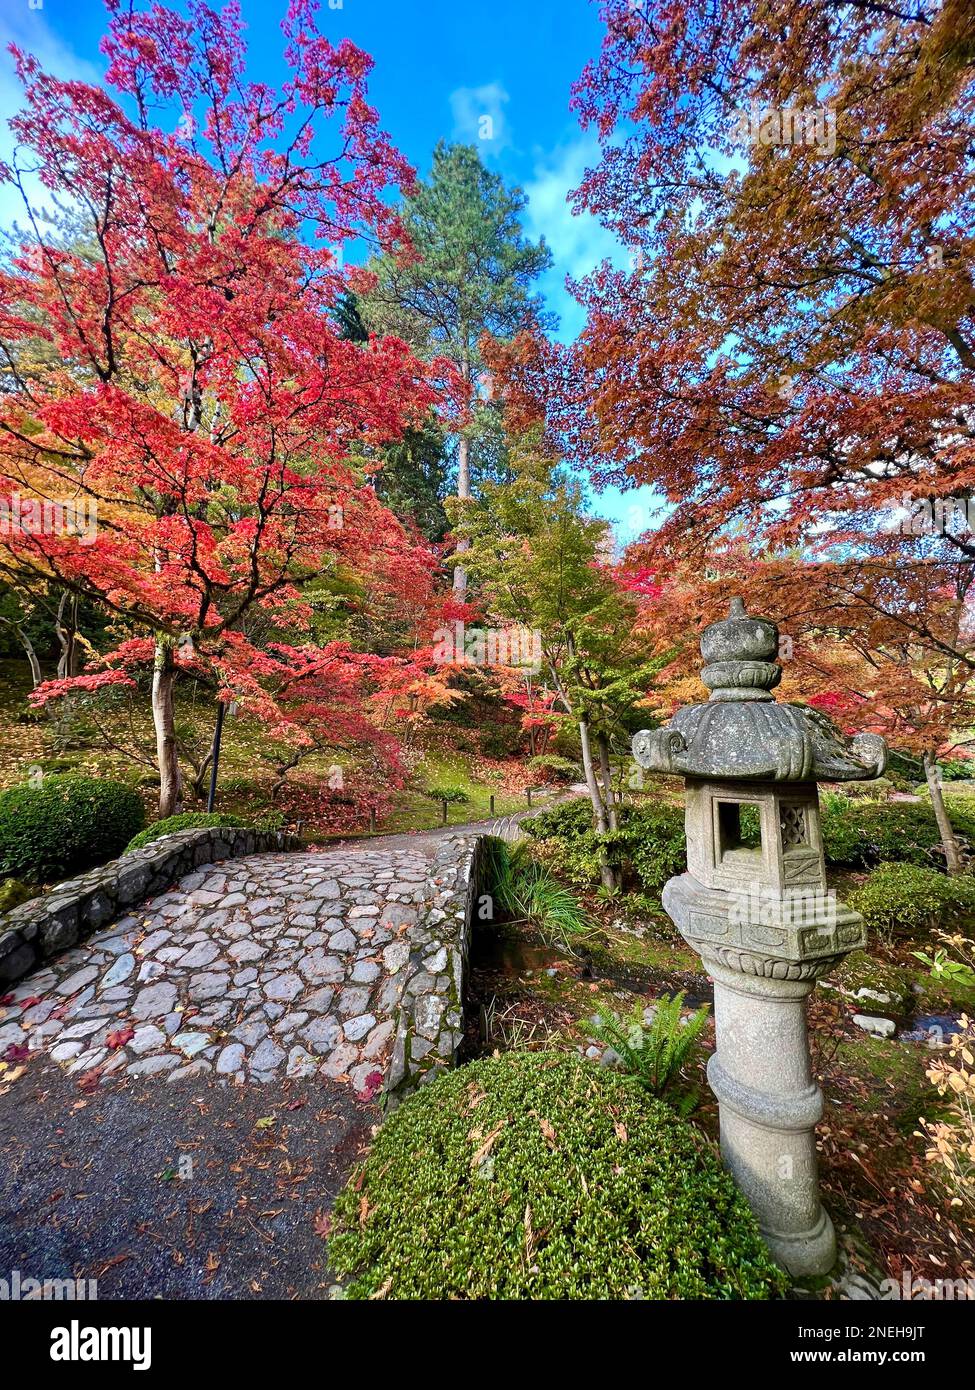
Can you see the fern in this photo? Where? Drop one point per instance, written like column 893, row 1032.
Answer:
column 655, row 1053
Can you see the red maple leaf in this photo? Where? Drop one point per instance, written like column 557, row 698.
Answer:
column 120, row 1036
column 373, row 1084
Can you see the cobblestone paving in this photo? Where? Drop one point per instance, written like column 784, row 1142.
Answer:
column 251, row 969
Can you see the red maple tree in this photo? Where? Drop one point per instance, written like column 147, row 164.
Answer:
column 175, row 363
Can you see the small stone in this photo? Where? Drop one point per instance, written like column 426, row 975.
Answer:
column 78, row 980
column 356, row 1028
column 365, row 972
column 343, row 941
column 267, row 1056
column 191, row 1043
column 203, row 954
column 149, row 1066
column 301, row 1063
column 147, row 1039
column 283, row 987
column 876, row 1027
column 120, row 971
column 231, row 1059
column 154, row 1001
column 395, row 956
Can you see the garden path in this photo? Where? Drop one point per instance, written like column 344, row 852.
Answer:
column 251, row 969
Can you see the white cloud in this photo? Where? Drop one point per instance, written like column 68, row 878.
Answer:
column 29, row 30
column 479, row 117
column 578, row 242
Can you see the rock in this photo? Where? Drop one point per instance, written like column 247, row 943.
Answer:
column 149, row 1066
column 876, row 1027
column 191, row 1043
column 285, row 987
column 147, row 1039
column 78, row 980
column 301, row 1063
column 267, row 1056
column 154, row 1001
column 205, row 953
column 231, row 1059
column 356, row 1028
column 120, row 971
column 343, row 941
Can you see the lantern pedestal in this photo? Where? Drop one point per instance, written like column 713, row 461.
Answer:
column 755, row 907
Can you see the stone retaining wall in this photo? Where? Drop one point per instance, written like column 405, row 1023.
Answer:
column 44, row 927
column 430, row 1021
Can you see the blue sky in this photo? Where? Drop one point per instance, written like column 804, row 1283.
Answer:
column 440, row 67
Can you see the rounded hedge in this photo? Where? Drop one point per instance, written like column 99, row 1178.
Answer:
column 544, row 1176
column 65, row 825
column 187, row 820
column 905, row 897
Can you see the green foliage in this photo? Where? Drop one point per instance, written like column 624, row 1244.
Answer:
column 956, row 769
column 861, row 834
column 502, row 741
column 523, row 890
column 552, row 767
column 943, row 968
column 649, row 846
column 455, row 795
column 13, row 893
column 541, row 1176
column 656, row 1052
column 188, row 820
column 65, row 825
column 908, row 898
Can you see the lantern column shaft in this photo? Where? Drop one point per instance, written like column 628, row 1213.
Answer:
column 769, row 1105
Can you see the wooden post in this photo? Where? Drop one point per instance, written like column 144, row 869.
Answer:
column 372, row 820
column 443, row 818
column 528, row 793
column 491, row 812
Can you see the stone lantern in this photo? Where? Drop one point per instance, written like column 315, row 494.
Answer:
column 754, row 905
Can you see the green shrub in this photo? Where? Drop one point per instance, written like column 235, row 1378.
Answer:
column 550, row 767
column 452, row 794
column 13, row 893
column 861, row 834
column 525, row 891
column 649, row 846
column 542, row 1176
column 656, row 1052
column 188, row 820
column 956, row 769
column 502, row 741
column 905, row 897
column 65, row 825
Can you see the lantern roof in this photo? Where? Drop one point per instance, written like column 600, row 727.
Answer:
column 741, row 732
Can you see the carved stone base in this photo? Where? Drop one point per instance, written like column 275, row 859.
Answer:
column 768, row 1102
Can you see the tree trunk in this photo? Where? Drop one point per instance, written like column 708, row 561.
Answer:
column 463, row 490
column 607, row 779
column 35, row 666
column 164, row 722
column 953, row 857
column 66, row 626
column 607, row 873
column 463, row 495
